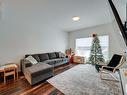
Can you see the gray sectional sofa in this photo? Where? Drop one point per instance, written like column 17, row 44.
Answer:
column 35, row 73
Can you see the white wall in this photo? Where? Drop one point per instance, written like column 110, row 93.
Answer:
column 121, row 8
column 116, row 42
column 24, row 29
column 22, row 32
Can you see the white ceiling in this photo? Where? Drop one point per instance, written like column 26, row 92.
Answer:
column 59, row 13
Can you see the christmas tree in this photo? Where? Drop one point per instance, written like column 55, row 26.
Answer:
column 96, row 52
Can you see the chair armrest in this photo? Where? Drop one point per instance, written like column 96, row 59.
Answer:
column 108, row 67
column 114, row 69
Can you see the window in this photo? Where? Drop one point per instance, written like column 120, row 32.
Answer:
column 83, row 46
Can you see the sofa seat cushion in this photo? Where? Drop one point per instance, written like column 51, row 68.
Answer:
column 44, row 57
column 38, row 69
column 65, row 59
column 50, row 62
column 58, row 60
column 52, row 55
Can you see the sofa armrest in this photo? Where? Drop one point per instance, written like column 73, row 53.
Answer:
column 24, row 64
column 62, row 55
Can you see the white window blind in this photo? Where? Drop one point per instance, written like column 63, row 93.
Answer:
column 83, row 46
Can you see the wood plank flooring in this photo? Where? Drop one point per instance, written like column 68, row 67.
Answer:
column 21, row 87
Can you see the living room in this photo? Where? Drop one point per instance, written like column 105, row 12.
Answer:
column 46, row 26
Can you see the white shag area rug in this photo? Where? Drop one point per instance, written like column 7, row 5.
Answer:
column 83, row 79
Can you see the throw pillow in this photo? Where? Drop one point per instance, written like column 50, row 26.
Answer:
column 31, row 59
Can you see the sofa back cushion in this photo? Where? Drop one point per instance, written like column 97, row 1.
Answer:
column 57, row 54
column 52, row 55
column 43, row 57
column 35, row 56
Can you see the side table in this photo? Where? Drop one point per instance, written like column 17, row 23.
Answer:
column 79, row 59
column 2, row 69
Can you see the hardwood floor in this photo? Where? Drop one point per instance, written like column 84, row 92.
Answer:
column 21, row 87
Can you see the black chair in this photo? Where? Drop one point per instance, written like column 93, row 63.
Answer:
column 115, row 63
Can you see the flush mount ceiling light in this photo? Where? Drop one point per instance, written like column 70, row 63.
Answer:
column 76, row 18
